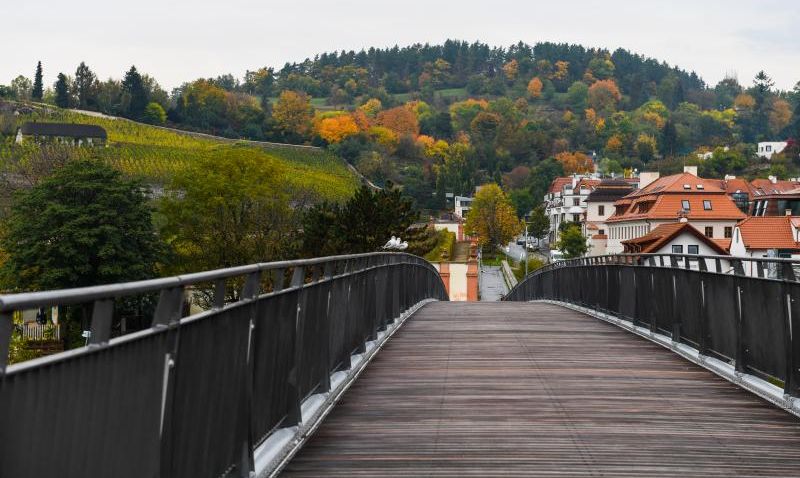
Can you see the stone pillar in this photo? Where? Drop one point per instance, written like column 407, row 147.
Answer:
column 444, row 272
column 460, row 235
column 472, row 280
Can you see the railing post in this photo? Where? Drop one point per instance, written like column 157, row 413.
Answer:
column 791, row 345
column 102, row 313
column 702, row 345
column 741, row 348
column 6, row 329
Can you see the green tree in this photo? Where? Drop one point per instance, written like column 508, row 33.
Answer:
column 38, row 86
column 225, row 213
column 539, row 224
column 62, row 91
column 136, row 93
column 85, row 87
column 363, row 224
column 572, row 242
column 492, row 217
column 21, row 88
column 83, row 225
column 154, row 114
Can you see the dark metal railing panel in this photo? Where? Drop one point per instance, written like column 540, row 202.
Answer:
column 741, row 310
column 91, row 414
column 192, row 396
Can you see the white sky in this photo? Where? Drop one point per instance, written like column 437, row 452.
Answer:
column 181, row 40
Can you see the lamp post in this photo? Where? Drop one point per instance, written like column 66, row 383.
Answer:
column 526, row 249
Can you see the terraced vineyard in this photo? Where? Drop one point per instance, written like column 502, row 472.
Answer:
column 155, row 153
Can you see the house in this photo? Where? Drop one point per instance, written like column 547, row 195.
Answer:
column 667, row 200
column 775, row 236
column 773, row 197
column 599, row 207
column 62, row 133
column 565, row 201
column 767, row 148
column 675, row 238
column 462, row 205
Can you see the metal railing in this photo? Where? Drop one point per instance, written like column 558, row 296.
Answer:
column 706, row 302
column 194, row 395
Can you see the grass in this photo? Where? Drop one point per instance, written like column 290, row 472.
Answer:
column 156, row 154
column 444, row 247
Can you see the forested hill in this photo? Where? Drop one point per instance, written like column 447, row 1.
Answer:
column 441, row 119
column 482, row 69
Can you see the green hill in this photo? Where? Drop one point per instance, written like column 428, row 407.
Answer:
column 156, row 153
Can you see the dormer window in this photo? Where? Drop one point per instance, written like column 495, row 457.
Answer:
column 687, row 186
column 701, row 187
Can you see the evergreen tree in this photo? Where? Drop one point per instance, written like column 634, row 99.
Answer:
column 133, row 86
column 669, row 138
column 85, row 86
column 38, row 87
column 62, row 91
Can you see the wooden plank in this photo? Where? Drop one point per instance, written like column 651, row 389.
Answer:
column 472, row 389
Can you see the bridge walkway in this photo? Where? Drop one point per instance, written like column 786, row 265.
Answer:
column 488, row 389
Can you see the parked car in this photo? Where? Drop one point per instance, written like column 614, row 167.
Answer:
column 556, row 256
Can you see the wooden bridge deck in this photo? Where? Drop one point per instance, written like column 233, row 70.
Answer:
column 489, row 389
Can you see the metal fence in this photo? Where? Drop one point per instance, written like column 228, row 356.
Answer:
column 744, row 320
column 193, row 396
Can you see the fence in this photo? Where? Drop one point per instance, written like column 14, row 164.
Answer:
column 38, row 332
column 744, row 320
column 193, row 396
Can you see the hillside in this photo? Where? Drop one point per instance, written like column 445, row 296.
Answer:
column 155, row 153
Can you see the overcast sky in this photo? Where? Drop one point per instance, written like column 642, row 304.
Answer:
column 181, row 40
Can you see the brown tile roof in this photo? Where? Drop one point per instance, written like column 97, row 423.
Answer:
column 764, row 186
column 661, row 235
column 663, row 199
column 769, row 232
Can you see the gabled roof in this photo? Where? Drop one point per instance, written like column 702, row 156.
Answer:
column 558, row 184
column 769, row 232
column 70, row 130
column 664, row 199
column 764, row 187
column 663, row 234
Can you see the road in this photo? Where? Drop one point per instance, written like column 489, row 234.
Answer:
column 492, row 284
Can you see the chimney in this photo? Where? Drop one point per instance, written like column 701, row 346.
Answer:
column 728, row 177
column 773, row 179
column 646, row 178
column 690, row 170
column 788, row 212
column 683, row 219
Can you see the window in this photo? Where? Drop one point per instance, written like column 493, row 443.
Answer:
column 709, row 231
column 601, row 210
column 707, row 205
column 602, row 232
column 685, row 205
column 677, row 249
column 693, row 249
column 769, row 148
column 687, row 186
column 728, row 232
column 576, row 201
column 700, row 187
column 737, row 235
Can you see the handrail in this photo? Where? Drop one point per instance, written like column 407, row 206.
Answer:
column 195, row 393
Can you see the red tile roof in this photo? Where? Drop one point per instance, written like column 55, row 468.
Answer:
column 558, row 184
column 764, row 186
column 769, row 232
column 663, row 234
column 663, row 199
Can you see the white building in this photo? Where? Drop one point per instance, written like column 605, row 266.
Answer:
column 768, row 148
column 599, row 207
column 565, row 201
column 461, row 206
column 674, row 238
column 667, row 200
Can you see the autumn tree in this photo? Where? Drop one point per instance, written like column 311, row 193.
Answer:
column 335, row 129
column 492, row 217
column 646, row 147
column 539, row 223
column 293, row 113
column 535, row 87
column 780, row 115
column 511, row 69
column 401, row 120
column 604, row 95
column 575, row 163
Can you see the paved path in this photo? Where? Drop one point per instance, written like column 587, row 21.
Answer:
column 492, row 284
column 514, row 389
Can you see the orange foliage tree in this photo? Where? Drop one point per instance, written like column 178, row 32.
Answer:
column 293, row 112
column 535, row 87
column 334, row 130
column 575, row 162
column 604, row 95
column 401, row 120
